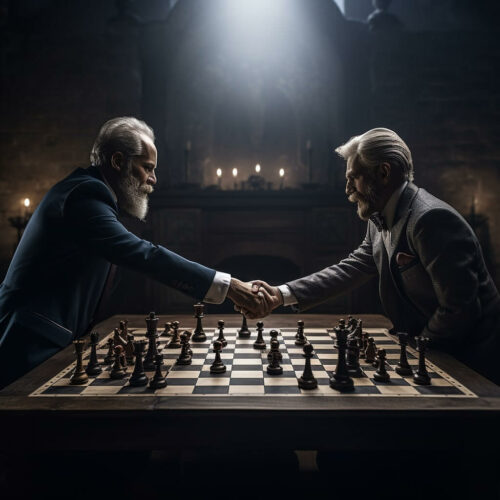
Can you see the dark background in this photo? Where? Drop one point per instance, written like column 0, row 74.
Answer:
column 226, row 88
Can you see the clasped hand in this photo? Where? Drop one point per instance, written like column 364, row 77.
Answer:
column 255, row 299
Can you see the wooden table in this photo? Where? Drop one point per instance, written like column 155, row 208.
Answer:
column 141, row 423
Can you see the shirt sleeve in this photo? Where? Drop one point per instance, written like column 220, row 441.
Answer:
column 218, row 289
column 288, row 297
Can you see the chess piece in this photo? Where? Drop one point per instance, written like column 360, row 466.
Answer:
column 381, row 375
column 274, row 367
column 118, row 339
column 340, row 379
column 221, row 338
column 300, row 338
column 185, row 357
column 260, row 343
column 79, row 375
column 352, row 358
column 300, row 329
column 158, row 381
column 364, row 341
column 123, row 329
column 108, row 359
column 244, row 332
column 370, row 351
column 117, row 370
column 307, row 380
column 403, row 368
column 93, row 368
column 217, row 366
column 421, row 376
column 129, row 350
column 351, row 324
column 149, row 360
column 139, row 378
column 199, row 334
column 175, row 340
column 167, row 331
column 275, row 348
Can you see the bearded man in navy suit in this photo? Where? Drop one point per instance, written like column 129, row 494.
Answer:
column 55, row 282
column 432, row 277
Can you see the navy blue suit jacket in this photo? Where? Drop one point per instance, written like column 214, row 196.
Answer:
column 57, row 275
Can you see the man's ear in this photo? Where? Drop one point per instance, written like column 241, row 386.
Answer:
column 384, row 172
column 117, row 161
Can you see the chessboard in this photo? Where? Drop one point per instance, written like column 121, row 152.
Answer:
column 246, row 373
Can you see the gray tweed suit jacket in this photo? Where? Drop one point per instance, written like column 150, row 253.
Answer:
column 444, row 292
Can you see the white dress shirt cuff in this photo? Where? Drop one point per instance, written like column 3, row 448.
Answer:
column 218, row 289
column 288, row 296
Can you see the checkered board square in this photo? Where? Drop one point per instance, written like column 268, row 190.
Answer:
column 246, row 373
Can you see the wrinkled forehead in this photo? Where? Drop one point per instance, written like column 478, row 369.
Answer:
column 352, row 166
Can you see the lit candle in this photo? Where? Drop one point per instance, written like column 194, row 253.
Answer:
column 257, row 168
column 235, row 174
column 219, row 177
column 282, row 177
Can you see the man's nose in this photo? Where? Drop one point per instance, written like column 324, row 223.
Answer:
column 348, row 188
column 152, row 178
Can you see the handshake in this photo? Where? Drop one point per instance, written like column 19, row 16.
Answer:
column 255, row 299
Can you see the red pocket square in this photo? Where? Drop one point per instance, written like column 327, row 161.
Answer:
column 404, row 258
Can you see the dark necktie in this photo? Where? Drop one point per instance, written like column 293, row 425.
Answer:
column 378, row 219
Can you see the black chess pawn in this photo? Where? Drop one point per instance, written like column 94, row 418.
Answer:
column 185, row 357
column 274, row 367
column 152, row 323
column 175, row 340
column 340, row 379
column 300, row 338
column 217, row 366
column 221, row 338
column 403, row 368
column 275, row 348
column 300, row 329
column 370, row 351
column 79, row 375
column 352, row 358
column 244, row 332
column 421, row 376
column 381, row 375
column 93, row 367
column 167, row 330
column 351, row 324
column 342, row 324
column 199, row 334
column 138, row 377
column 129, row 349
column 307, row 380
column 108, row 359
column 260, row 343
column 117, row 370
column 158, row 381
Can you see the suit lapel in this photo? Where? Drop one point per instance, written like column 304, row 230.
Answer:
column 403, row 211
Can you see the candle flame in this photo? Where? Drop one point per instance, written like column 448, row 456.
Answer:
column 26, row 202
column 282, row 172
column 219, row 172
column 257, row 168
column 235, row 172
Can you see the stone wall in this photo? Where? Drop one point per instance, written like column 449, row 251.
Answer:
column 441, row 92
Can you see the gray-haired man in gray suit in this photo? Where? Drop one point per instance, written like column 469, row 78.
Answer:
column 432, row 275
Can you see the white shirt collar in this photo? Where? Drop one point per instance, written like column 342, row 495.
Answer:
column 389, row 210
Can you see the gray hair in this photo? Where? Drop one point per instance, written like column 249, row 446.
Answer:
column 376, row 146
column 120, row 134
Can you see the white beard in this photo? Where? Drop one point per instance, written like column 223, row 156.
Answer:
column 132, row 196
